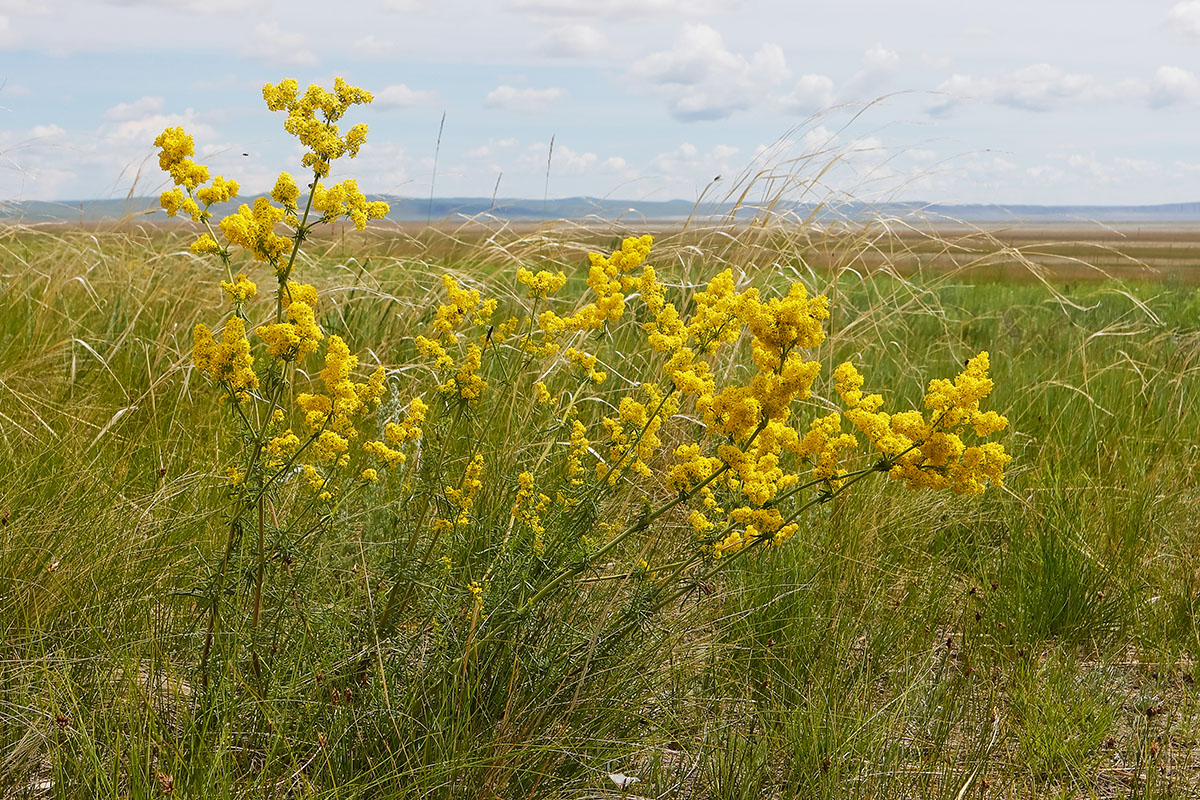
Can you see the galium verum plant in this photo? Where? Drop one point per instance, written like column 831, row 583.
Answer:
column 714, row 467
column 319, row 437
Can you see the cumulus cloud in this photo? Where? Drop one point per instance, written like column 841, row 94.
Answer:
column 491, row 149
column 881, row 59
column 689, row 161
column 139, row 131
column 399, row 95
column 142, row 107
column 811, row 93
column 1174, row 86
column 1038, row 87
column 624, row 9
column 529, row 101
column 817, row 139
column 563, row 161
column 272, row 45
column 571, row 41
column 704, row 80
column 370, row 47
column 1185, row 17
column 50, row 132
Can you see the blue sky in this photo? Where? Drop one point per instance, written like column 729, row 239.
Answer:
column 1022, row 102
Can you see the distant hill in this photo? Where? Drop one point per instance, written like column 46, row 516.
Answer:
column 410, row 209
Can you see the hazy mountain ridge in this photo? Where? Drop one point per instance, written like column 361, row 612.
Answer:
column 411, row 209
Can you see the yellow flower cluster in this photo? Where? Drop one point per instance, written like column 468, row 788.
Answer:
column 462, row 498
column 528, row 508
column 221, row 190
column 585, row 362
column 176, row 149
column 464, row 304
column 300, row 335
column 228, row 363
column 241, row 290
column 331, row 417
column 312, row 118
column 398, row 434
column 609, row 280
column 466, row 383
column 285, row 191
column 542, row 284
column 930, row 453
column 633, row 433
column 254, row 230
column 346, row 200
column 579, row 445
column 296, row 338
column 281, row 448
column 174, row 200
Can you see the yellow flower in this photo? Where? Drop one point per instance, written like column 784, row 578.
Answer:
column 369, row 475
column 221, row 191
column 241, row 290
column 294, row 339
column 585, row 362
column 312, row 118
column 254, row 229
column 206, row 245
column 285, row 192
column 410, row 429
column 543, row 283
column 228, row 363
column 345, row 200
column 171, row 201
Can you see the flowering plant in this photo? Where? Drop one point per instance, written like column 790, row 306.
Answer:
column 502, row 476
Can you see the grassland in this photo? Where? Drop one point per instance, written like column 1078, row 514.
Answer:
column 1040, row 641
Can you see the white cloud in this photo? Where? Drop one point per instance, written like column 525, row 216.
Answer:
column 399, row 95
column 810, row 94
column 1038, row 87
column 15, row 90
column 624, row 9
column 370, row 47
column 528, row 101
column 1185, row 17
column 689, row 161
column 274, row 46
column 568, row 161
column 492, row 147
column 27, row 8
column 140, row 132
column 817, row 139
column 135, row 110
column 703, row 80
column 563, row 161
column 572, row 41
column 47, row 132
column 1174, row 85
column 882, row 59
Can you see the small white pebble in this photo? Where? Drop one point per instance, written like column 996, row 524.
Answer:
column 622, row 780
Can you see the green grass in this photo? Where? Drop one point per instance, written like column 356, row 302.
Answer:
column 1038, row 641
